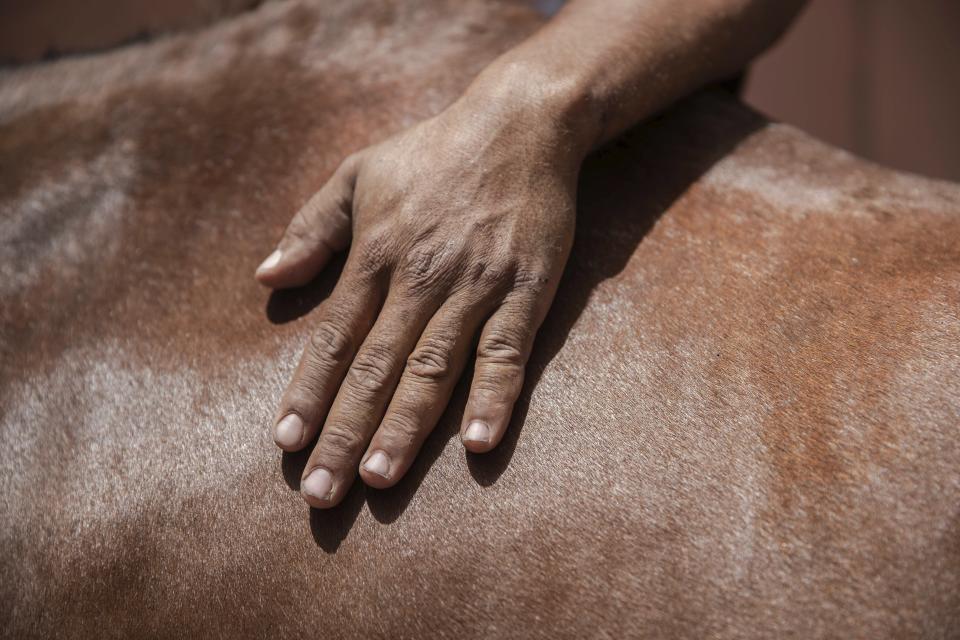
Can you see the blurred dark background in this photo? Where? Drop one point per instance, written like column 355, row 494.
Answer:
column 877, row 77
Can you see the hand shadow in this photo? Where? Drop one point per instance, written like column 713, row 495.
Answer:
column 328, row 526
column 624, row 188
column 285, row 305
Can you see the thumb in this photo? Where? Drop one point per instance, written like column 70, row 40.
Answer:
column 320, row 229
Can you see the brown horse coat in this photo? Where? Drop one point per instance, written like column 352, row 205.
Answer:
column 741, row 418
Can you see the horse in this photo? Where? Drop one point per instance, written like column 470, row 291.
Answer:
column 740, row 418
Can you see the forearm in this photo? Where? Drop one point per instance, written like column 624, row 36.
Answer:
column 461, row 225
column 600, row 66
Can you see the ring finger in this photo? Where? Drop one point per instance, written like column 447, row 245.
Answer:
column 428, row 380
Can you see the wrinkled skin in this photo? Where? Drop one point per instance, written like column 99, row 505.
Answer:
column 739, row 419
column 462, row 225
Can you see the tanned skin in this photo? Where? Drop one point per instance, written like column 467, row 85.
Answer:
column 741, row 418
column 462, row 224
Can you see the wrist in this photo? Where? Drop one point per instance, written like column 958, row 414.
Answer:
column 553, row 106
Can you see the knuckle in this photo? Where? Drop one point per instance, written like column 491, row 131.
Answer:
column 428, row 266
column 401, row 430
column 330, row 341
column 502, row 346
column 497, row 382
column 533, row 281
column 431, row 360
column 372, row 252
column 492, row 275
column 372, row 369
column 306, row 390
column 338, row 440
column 500, row 364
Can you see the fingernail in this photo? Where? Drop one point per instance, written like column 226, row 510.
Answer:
column 270, row 262
column 318, row 484
column 477, row 431
column 378, row 463
column 289, row 431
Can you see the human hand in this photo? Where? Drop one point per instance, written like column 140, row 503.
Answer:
column 462, row 223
